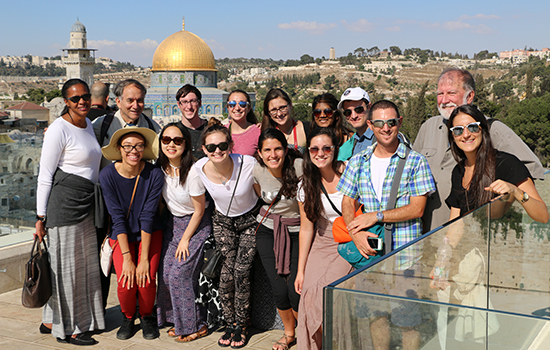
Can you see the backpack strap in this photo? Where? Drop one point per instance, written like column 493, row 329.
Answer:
column 105, row 126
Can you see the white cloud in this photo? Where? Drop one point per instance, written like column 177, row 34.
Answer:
column 456, row 25
column 479, row 16
column 311, row 27
column 393, row 29
column 214, row 45
column 361, row 25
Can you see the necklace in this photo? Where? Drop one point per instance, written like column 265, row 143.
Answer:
column 175, row 169
column 219, row 175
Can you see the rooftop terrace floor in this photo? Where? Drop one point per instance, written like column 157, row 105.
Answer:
column 19, row 330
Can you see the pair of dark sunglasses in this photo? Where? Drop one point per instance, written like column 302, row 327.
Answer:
column 178, row 141
column 233, row 104
column 140, row 147
column 379, row 123
column 358, row 110
column 325, row 149
column 211, row 147
column 328, row 112
column 85, row 97
column 472, row 128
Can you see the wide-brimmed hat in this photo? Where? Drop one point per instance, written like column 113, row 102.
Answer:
column 112, row 151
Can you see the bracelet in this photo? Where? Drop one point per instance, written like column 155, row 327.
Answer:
column 126, row 252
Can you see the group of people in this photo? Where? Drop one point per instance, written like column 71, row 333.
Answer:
column 272, row 188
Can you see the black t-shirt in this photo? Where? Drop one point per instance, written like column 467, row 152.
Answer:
column 196, row 140
column 508, row 168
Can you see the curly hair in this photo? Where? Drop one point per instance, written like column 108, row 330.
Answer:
column 313, row 206
column 485, row 163
column 187, row 156
column 289, row 179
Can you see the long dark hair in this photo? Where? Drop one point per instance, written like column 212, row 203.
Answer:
column 340, row 129
column 68, row 84
column 187, row 156
column 313, row 205
column 289, row 179
column 485, row 164
column 272, row 94
column 250, row 116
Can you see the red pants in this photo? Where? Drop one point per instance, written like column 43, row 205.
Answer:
column 128, row 297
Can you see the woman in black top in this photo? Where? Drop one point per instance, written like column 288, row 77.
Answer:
column 483, row 171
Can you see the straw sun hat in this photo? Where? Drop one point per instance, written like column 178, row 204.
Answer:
column 151, row 152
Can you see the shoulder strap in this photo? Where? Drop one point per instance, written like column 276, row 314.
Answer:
column 354, row 144
column 105, row 126
column 332, row 204
column 235, row 189
column 133, row 194
column 393, row 198
column 149, row 122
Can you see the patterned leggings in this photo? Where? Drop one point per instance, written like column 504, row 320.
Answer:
column 235, row 238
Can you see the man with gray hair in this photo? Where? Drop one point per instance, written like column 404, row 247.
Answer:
column 130, row 99
column 456, row 87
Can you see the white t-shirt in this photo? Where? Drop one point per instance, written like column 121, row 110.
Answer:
column 178, row 197
column 245, row 197
column 378, row 169
column 70, row 148
column 335, row 197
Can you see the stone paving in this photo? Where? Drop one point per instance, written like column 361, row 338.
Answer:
column 19, row 331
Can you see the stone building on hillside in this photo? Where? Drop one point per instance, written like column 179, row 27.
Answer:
column 78, row 59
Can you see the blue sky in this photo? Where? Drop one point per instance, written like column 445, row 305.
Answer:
column 131, row 31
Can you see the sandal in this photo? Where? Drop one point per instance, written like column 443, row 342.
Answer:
column 193, row 336
column 172, row 332
column 240, row 336
column 226, row 337
column 284, row 343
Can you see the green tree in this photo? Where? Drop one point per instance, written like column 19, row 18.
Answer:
column 395, row 50
column 529, row 82
column 415, row 112
column 305, row 59
column 330, row 81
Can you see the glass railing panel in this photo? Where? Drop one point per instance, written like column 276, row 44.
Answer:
column 370, row 321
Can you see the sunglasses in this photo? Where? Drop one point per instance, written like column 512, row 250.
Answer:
column 140, row 147
column 177, row 140
column 223, row 146
column 379, row 123
column 233, row 104
column 85, row 97
column 328, row 112
column 358, row 110
column 325, row 149
column 472, row 128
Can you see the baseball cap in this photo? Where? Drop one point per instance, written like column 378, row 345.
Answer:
column 353, row 94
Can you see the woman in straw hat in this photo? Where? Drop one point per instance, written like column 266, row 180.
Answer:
column 132, row 188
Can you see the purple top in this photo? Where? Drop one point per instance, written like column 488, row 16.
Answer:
column 247, row 142
column 117, row 191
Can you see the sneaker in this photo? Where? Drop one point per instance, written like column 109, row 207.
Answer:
column 149, row 327
column 126, row 330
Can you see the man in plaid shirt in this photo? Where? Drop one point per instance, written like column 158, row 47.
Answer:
column 368, row 179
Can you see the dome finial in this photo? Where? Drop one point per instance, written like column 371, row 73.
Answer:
column 183, row 23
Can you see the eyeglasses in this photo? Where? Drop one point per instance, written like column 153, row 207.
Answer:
column 358, row 110
column 177, row 140
column 76, row 99
column 283, row 109
column 233, row 104
column 328, row 112
column 459, row 129
column 325, row 149
column 193, row 101
column 223, row 146
column 140, row 147
column 379, row 123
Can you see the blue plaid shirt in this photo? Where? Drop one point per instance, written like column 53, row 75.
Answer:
column 417, row 180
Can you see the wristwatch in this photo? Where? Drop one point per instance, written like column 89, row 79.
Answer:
column 525, row 198
column 41, row 218
column 379, row 216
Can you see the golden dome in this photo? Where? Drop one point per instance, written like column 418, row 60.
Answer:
column 183, row 51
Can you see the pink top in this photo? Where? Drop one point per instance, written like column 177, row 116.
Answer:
column 247, row 142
